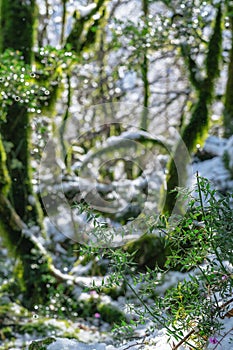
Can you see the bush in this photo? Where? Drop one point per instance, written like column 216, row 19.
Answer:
column 202, row 243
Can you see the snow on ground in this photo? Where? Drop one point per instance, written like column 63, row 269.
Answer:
column 214, row 169
column 68, row 344
column 158, row 340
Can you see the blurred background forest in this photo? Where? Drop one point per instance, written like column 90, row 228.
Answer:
column 106, row 107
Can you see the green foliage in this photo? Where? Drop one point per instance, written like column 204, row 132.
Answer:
column 149, row 251
column 17, row 26
column 195, row 130
column 111, row 313
column 85, row 29
column 4, row 176
column 37, row 326
column 41, row 344
column 200, row 244
column 201, row 241
column 6, row 332
column 60, row 302
column 31, row 88
column 140, row 36
column 17, row 81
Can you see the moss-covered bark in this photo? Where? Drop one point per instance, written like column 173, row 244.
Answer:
column 19, row 208
column 196, row 128
column 84, row 34
column 150, row 251
column 17, row 21
column 63, row 23
column 31, row 267
column 17, row 32
column 84, row 31
column 144, row 73
column 228, row 105
column 4, row 176
column 16, row 130
column 12, row 231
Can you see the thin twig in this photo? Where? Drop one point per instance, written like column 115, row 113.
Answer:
column 223, row 338
column 224, row 305
column 156, row 317
column 130, row 346
column 184, row 340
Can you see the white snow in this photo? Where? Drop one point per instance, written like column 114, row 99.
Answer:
column 214, row 169
column 214, row 145
column 85, row 10
column 129, row 80
column 229, row 150
column 68, row 344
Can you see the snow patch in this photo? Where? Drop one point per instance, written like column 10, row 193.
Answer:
column 229, row 151
column 68, row 344
column 85, row 10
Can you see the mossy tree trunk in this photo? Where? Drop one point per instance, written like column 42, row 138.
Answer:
column 17, row 22
column 17, row 32
column 84, row 34
column 145, row 72
column 197, row 127
column 4, row 176
column 228, row 105
column 19, row 207
column 85, row 28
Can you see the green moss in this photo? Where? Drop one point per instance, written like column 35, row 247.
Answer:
column 11, row 309
column 114, row 292
column 111, row 313
column 17, row 32
column 6, row 332
column 4, row 176
column 214, row 50
column 17, row 26
column 37, row 326
column 71, row 335
column 41, row 344
column 196, row 129
column 97, row 267
column 85, row 29
column 198, row 125
column 149, row 251
column 88, row 307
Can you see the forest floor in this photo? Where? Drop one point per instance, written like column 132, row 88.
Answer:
column 59, row 320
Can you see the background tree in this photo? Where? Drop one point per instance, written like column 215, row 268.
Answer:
column 228, row 103
column 82, row 73
column 21, row 215
column 197, row 127
column 17, row 32
column 19, row 206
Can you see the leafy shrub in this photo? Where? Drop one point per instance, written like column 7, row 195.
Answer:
column 202, row 244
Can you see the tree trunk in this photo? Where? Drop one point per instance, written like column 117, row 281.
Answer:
column 19, row 207
column 228, row 107
column 196, row 128
column 145, row 73
column 85, row 28
column 17, row 31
